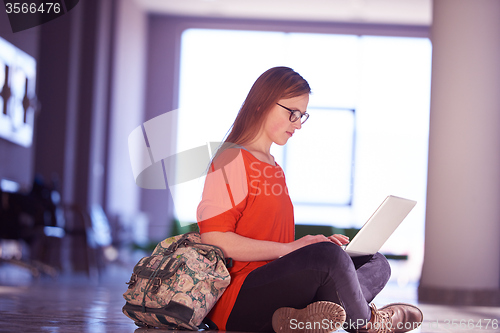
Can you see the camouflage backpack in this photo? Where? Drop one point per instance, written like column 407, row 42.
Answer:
column 177, row 286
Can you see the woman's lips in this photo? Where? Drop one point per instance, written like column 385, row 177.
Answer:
column 289, row 133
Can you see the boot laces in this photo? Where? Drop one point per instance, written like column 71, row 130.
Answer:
column 382, row 322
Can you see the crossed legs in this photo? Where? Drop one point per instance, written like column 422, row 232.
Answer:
column 318, row 272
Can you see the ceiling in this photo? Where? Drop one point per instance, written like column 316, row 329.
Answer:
column 407, row 12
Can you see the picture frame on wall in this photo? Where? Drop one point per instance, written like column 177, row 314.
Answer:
column 18, row 102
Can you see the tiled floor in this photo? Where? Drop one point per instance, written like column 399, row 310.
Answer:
column 438, row 318
column 67, row 304
column 74, row 304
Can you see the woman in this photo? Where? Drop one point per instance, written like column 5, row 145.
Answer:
column 277, row 282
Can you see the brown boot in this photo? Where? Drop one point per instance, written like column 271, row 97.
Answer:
column 406, row 317
column 393, row 318
column 318, row 317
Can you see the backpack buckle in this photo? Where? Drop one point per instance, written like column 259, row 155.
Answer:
column 156, row 285
column 133, row 281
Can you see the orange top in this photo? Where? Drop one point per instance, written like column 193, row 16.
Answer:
column 248, row 197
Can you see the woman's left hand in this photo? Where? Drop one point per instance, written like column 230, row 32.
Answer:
column 339, row 239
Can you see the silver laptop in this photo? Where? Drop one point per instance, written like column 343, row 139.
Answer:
column 380, row 226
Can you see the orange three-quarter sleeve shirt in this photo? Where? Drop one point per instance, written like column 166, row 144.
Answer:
column 248, row 197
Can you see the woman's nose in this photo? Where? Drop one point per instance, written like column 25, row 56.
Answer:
column 297, row 124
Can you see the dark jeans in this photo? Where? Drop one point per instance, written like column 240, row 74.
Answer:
column 317, row 272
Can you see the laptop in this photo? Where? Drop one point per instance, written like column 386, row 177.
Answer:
column 380, row 226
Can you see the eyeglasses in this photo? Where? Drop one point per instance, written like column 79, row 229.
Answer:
column 296, row 114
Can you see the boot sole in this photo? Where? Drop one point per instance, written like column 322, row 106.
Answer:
column 318, row 317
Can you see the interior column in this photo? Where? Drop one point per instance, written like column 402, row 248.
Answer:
column 462, row 248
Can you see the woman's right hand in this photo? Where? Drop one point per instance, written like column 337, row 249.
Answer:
column 308, row 240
